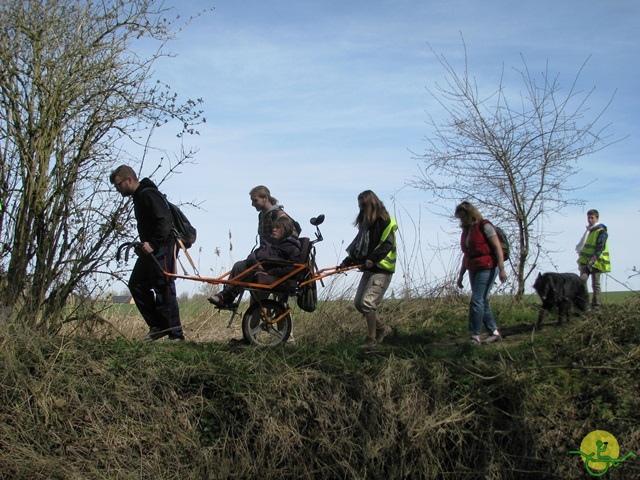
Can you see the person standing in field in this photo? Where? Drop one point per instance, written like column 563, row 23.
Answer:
column 374, row 248
column 153, row 292
column 483, row 258
column 593, row 255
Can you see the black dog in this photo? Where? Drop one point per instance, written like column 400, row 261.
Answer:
column 560, row 290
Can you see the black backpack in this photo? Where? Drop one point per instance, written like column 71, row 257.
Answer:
column 502, row 237
column 308, row 295
column 182, row 228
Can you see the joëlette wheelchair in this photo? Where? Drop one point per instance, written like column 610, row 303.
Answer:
column 267, row 320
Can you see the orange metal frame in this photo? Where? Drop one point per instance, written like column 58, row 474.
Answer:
column 298, row 268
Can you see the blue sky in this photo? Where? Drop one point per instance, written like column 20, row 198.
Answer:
column 320, row 100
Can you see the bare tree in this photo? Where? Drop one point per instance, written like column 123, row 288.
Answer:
column 76, row 99
column 511, row 156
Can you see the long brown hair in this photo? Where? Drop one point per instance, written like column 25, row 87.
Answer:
column 467, row 213
column 371, row 209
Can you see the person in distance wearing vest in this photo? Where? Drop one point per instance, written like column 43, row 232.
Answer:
column 153, row 293
column 484, row 260
column 374, row 248
column 593, row 255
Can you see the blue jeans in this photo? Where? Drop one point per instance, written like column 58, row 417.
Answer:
column 479, row 310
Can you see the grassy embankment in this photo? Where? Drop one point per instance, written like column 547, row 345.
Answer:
column 97, row 404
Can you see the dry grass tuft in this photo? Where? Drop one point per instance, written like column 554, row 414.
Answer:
column 92, row 403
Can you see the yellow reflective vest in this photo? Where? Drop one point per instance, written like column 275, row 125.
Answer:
column 603, row 263
column 389, row 262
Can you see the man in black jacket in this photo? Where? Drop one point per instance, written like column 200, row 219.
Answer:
column 153, row 292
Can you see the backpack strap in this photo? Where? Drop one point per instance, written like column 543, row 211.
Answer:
column 483, row 222
column 180, row 244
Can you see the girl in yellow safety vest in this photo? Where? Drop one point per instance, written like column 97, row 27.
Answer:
column 374, row 248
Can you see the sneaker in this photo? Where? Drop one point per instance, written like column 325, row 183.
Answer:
column 381, row 332
column 175, row 339
column 494, row 337
column 217, row 300
column 475, row 340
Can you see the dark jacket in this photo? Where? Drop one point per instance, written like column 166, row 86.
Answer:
column 375, row 254
column 286, row 249
column 153, row 215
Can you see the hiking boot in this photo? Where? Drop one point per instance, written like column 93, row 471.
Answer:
column 494, row 337
column 381, row 332
column 155, row 333
column 475, row 340
column 369, row 342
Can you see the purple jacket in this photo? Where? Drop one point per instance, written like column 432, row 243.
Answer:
column 286, row 249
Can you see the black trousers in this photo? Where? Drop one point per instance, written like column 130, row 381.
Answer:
column 154, row 293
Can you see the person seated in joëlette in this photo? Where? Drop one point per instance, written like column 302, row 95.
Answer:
column 283, row 245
